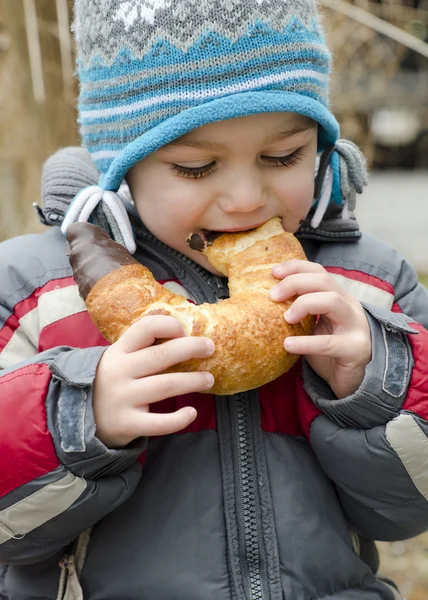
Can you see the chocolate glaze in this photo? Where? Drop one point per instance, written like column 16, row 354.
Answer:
column 203, row 238
column 196, row 242
column 93, row 254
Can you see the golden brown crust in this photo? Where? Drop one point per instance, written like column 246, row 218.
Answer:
column 248, row 329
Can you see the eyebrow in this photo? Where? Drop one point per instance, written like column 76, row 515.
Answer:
column 215, row 146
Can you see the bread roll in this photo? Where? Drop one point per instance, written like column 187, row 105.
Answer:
column 248, row 329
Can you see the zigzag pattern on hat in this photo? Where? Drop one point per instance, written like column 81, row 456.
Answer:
column 181, row 23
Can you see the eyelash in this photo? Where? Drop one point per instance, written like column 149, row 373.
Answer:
column 276, row 161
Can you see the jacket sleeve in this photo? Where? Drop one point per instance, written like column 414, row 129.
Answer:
column 373, row 444
column 56, row 478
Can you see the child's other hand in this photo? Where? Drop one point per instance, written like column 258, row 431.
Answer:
column 340, row 347
column 128, row 380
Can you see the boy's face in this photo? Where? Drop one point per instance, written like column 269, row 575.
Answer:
column 228, row 176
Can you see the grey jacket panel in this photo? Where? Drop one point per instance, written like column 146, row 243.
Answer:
column 385, row 384
column 60, row 524
column 307, row 525
column 170, row 534
column 377, row 494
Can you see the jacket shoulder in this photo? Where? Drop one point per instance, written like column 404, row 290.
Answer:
column 29, row 261
column 369, row 255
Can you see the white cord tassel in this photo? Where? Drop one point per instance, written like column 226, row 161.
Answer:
column 85, row 203
column 118, row 210
column 323, row 202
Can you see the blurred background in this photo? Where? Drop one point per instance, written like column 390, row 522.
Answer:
column 379, row 95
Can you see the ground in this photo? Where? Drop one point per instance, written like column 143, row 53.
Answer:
column 407, row 564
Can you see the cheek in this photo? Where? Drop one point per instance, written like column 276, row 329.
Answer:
column 165, row 202
column 170, row 210
column 296, row 194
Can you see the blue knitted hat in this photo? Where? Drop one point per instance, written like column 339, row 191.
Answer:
column 153, row 70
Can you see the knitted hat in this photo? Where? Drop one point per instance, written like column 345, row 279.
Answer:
column 152, row 70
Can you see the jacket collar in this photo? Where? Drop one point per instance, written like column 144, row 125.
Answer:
column 332, row 228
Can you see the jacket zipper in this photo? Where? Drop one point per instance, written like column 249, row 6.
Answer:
column 250, row 538
column 249, row 522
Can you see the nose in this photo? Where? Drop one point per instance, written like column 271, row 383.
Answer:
column 242, row 193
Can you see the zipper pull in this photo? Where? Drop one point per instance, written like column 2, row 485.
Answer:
column 69, row 586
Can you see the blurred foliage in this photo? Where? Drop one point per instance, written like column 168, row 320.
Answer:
column 31, row 129
column 424, row 280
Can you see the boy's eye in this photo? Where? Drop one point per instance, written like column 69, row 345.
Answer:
column 276, row 161
column 285, row 161
column 193, row 172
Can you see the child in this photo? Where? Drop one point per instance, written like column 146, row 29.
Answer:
column 214, row 112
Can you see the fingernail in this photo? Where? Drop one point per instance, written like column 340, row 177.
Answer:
column 209, row 344
column 289, row 344
column 288, row 315
column 192, row 414
column 277, row 269
column 210, row 380
column 274, row 293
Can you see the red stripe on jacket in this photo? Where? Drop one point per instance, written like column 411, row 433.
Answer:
column 417, row 399
column 77, row 331
column 27, row 305
column 278, row 404
column 369, row 279
column 27, row 450
column 363, row 277
column 204, row 404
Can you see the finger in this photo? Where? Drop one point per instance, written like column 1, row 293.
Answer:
column 330, row 304
column 289, row 267
column 304, row 283
column 333, row 346
column 146, row 330
column 160, row 357
column 151, row 424
column 167, row 385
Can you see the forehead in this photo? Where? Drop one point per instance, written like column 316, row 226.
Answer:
column 265, row 124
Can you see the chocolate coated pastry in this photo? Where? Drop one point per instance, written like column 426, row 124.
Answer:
column 248, row 329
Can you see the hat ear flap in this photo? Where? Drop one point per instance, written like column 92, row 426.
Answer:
column 81, row 198
column 342, row 173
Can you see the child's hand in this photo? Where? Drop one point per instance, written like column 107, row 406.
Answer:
column 340, row 347
column 128, row 381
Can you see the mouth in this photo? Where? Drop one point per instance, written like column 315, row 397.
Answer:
column 237, row 229
column 199, row 240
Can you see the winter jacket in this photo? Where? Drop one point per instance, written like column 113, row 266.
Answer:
column 272, row 494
